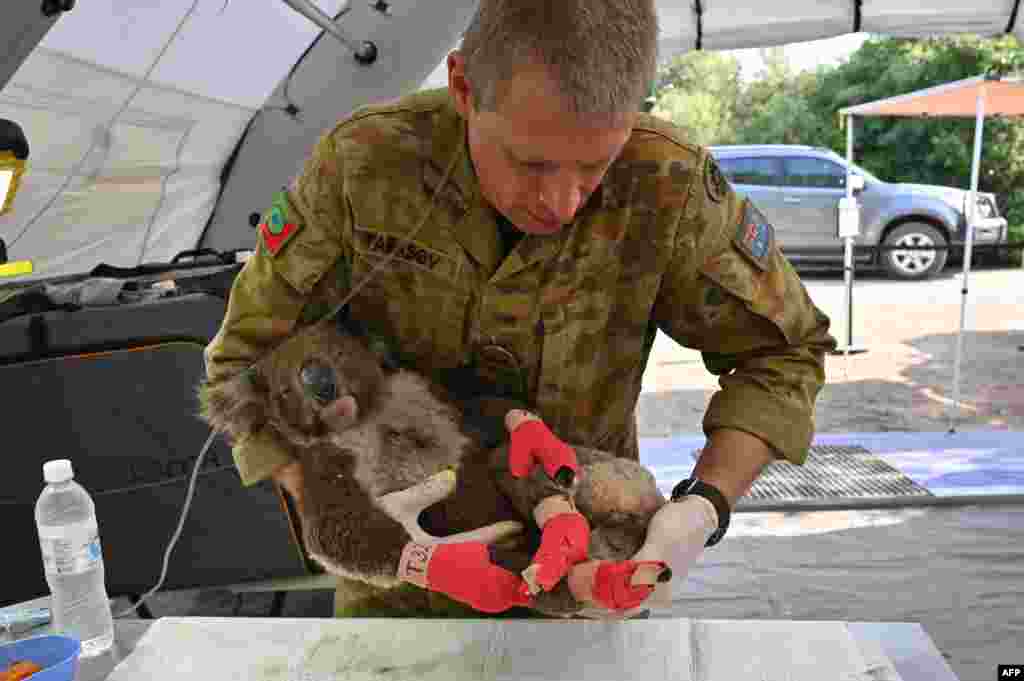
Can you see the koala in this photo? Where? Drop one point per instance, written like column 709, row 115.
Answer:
column 361, row 427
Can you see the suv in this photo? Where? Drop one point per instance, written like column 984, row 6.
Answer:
column 798, row 188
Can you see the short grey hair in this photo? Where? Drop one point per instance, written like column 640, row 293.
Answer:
column 603, row 54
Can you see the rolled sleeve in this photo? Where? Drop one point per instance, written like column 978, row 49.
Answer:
column 732, row 295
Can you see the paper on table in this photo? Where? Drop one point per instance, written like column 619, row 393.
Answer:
column 877, row 662
column 524, row 650
column 775, row 649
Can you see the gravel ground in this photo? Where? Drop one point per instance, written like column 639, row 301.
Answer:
column 903, row 382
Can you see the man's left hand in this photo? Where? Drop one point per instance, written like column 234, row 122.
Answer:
column 676, row 537
column 678, row 533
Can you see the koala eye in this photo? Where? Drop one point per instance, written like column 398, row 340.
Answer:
column 318, row 381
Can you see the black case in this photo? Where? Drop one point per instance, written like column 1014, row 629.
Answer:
column 113, row 389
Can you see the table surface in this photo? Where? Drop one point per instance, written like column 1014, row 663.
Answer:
column 910, row 649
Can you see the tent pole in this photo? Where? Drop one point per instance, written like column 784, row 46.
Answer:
column 972, row 209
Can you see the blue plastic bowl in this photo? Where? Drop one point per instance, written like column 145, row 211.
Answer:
column 57, row 655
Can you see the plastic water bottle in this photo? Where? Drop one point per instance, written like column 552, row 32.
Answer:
column 73, row 561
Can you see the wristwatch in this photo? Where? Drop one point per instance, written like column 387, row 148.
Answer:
column 700, row 488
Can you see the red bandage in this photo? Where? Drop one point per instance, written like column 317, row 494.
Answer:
column 565, row 541
column 465, row 573
column 532, row 443
column 612, row 588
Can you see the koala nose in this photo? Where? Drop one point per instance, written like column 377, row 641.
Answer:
column 318, row 382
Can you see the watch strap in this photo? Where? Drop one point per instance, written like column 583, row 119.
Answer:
column 700, row 488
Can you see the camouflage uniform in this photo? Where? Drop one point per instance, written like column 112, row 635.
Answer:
column 663, row 243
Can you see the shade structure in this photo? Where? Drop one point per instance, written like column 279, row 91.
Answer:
column 958, row 99
column 976, row 97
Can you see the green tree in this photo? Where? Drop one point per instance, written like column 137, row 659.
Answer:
column 933, row 151
column 703, row 93
column 698, row 91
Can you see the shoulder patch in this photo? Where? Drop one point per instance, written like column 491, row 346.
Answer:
column 278, row 226
column 755, row 236
column 714, row 181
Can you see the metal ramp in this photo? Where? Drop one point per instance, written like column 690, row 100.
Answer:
column 832, row 475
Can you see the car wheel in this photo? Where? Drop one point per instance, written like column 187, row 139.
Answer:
column 914, row 265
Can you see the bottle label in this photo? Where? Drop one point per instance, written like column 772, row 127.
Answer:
column 70, row 549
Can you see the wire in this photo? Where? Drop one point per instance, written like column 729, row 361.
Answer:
column 163, row 192
column 138, row 88
column 177, row 532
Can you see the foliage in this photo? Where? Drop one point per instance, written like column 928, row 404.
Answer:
column 703, row 92
column 697, row 91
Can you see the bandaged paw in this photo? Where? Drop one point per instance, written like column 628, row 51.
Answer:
column 616, row 586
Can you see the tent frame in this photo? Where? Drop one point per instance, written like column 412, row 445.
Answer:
column 848, row 113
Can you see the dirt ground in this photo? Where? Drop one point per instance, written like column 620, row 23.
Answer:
column 903, row 382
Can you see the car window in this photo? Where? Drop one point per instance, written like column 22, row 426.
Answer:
column 817, row 173
column 752, row 170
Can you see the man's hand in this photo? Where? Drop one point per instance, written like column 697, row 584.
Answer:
column 678, row 532
column 289, row 476
column 676, row 537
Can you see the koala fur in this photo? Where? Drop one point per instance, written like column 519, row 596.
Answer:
column 361, row 429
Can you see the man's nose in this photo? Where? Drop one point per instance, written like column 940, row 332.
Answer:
column 561, row 198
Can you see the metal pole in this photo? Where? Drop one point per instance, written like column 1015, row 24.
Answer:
column 848, row 255
column 848, row 251
column 365, row 52
column 972, row 210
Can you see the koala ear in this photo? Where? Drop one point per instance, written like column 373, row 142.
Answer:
column 237, row 405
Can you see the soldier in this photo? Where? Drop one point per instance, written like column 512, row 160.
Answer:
column 554, row 230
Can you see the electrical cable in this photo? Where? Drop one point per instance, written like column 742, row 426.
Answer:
column 177, row 532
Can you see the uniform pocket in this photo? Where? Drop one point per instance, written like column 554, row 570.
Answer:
column 593, row 351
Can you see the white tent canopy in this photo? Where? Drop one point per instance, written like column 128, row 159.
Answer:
column 977, row 97
column 158, row 127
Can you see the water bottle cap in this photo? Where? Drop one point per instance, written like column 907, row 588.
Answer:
column 57, row 471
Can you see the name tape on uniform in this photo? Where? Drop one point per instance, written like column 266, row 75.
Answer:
column 381, row 244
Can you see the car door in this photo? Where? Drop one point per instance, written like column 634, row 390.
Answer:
column 812, row 188
column 759, row 178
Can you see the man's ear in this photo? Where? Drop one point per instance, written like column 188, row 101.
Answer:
column 236, row 406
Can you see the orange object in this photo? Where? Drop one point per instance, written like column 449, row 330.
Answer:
column 20, row 670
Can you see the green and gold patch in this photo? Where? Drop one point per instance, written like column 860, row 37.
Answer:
column 279, row 225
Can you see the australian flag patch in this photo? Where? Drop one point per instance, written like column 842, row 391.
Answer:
column 755, row 236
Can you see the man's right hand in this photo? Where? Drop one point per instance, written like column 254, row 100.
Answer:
column 289, row 476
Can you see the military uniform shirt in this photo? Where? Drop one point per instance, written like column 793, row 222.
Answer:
column 663, row 243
